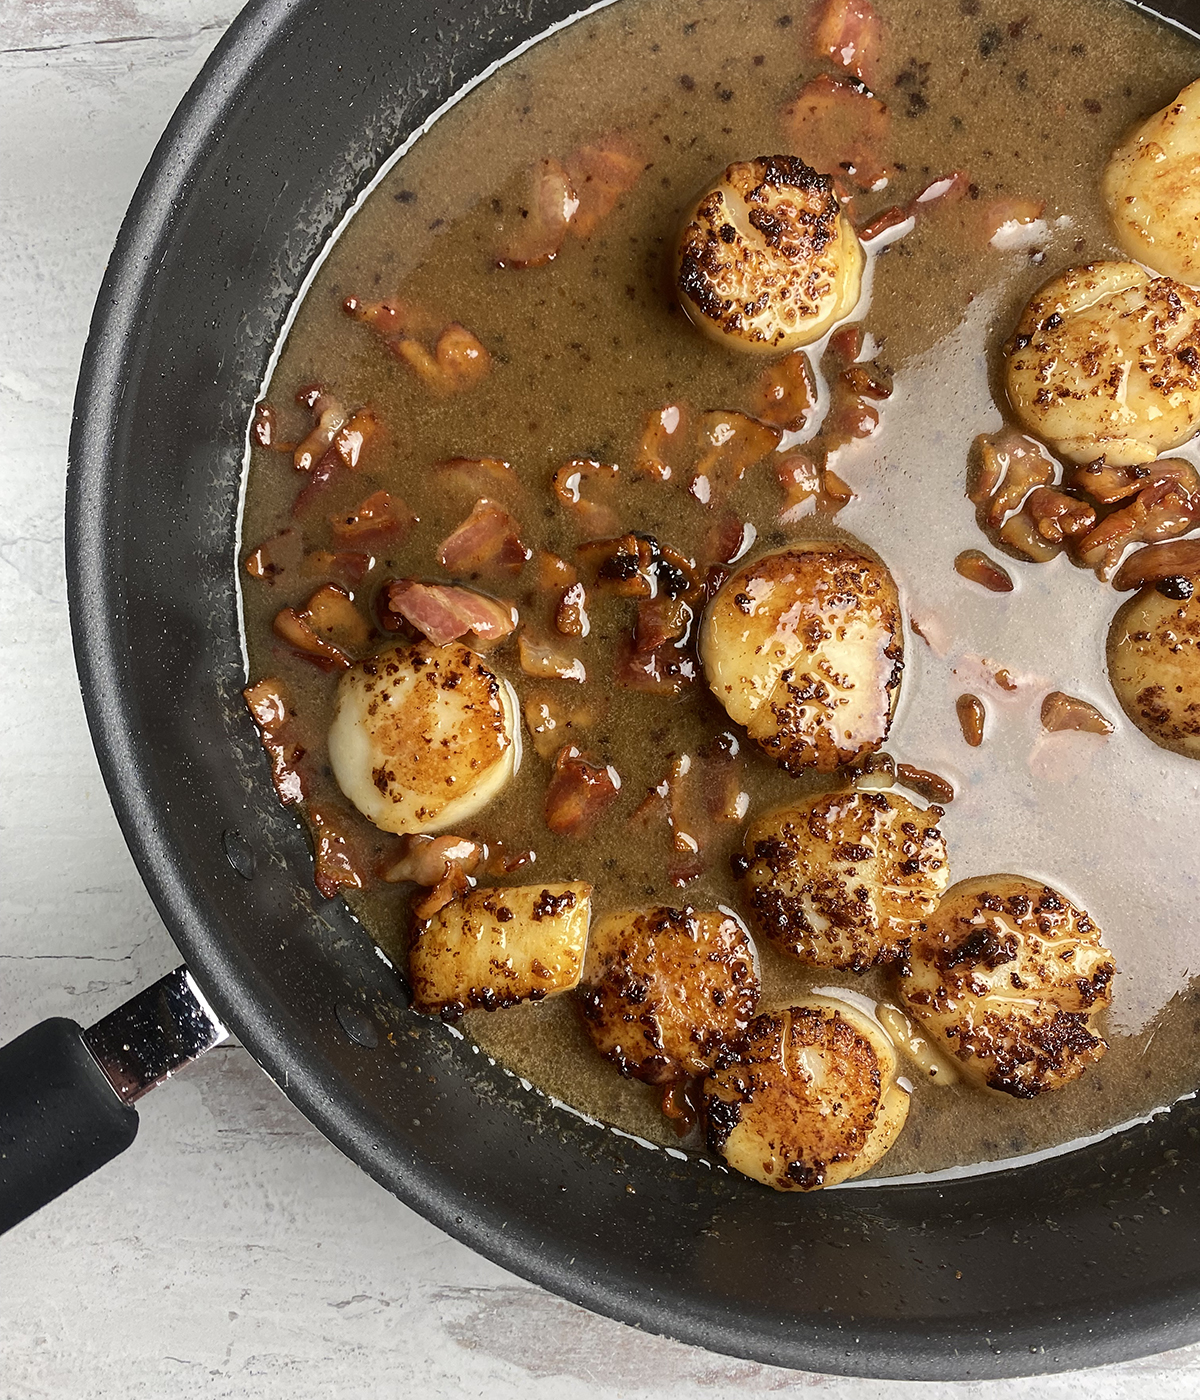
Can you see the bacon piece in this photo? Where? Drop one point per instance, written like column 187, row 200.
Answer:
column 381, row 519
column 1111, row 484
column 731, row 444
column 549, row 719
column 444, row 613
column 1160, row 511
column 809, row 485
column 1062, row 711
column 331, row 614
column 270, row 709
column 390, row 318
column 664, row 672
column 443, row 864
column 319, row 480
column 477, row 476
column 931, row 786
column 548, row 659
column 544, row 208
column 486, row 540
column 579, row 792
column 553, row 571
column 1010, row 466
column 571, row 617
column 1005, row 222
column 459, row 360
column 330, row 416
column 350, row 439
column 661, row 430
column 600, row 174
column 275, row 556
column 661, row 620
column 335, row 866
column 787, row 392
column 850, row 33
column 1020, row 533
column 626, row 566
column 1178, row 560
column 295, row 629
column 839, row 129
column 729, row 537
column 1057, row 515
column 973, row 564
column 349, row 566
column 587, row 489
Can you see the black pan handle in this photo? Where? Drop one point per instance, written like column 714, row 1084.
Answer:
column 67, row 1094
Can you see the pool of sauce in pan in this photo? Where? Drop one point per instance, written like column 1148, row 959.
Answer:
column 1029, row 100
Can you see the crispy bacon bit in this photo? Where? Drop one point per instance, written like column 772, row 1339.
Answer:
column 498, row 860
column 443, row 613
column 548, row 659
column 1010, row 466
column 930, row 786
column 1061, row 711
column 459, row 360
column 349, row 440
column 579, row 791
column 971, row 717
column 1057, row 515
column 473, row 477
column 271, row 712
column 263, row 430
column 731, row 443
column 587, row 489
column 721, row 777
column 1111, row 484
column 663, row 672
column 486, row 540
column 381, row 519
column 553, row 571
column 626, row 566
column 571, row 617
column 787, row 391
column 600, row 175
column 334, row 865
column 895, row 220
column 295, row 629
column 1006, row 222
column 662, row 429
column 799, row 474
column 1021, row 534
column 276, row 556
column 443, row 864
column 841, row 129
column 350, row 566
column 850, row 33
column 729, row 538
column 1160, row 511
column 546, row 203
column 330, row 416
column 319, row 480
column 973, row 564
column 331, row 614
column 550, row 719
column 1177, row 560
column 661, row 620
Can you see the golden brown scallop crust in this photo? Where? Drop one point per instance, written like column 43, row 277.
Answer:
column 663, row 989
column 1154, row 666
column 805, row 647
column 1009, row 976
column 795, row 1102
column 844, row 880
column 768, row 261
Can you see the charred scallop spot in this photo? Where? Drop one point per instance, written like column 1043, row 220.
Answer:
column 721, row 1117
column 550, row 906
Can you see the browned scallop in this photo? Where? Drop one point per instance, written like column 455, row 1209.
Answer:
column 663, row 989
column 1009, row 976
column 808, row 1097
column 845, row 880
column 767, row 260
column 1154, row 663
column 1105, row 362
column 496, row 947
column 805, row 648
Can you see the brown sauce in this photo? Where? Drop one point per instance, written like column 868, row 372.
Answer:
column 1029, row 101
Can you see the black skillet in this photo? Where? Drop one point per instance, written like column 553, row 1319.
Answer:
column 1084, row 1259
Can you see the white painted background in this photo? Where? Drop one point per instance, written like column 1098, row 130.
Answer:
column 233, row 1251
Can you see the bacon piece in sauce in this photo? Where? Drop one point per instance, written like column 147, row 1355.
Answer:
column 731, row 443
column 276, row 556
column 381, row 519
column 474, row 477
column 1161, row 511
column 444, row 613
column 443, row 864
column 326, row 631
column 840, row 130
column 486, row 540
column 662, row 430
column 553, row 571
column 1011, row 465
column 330, row 416
column 347, row 565
column 550, row 720
column 579, row 792
column 1108, row 485
column 787, row 392
column 548, row 658
column 534, row 225
column 849, row 33
column 570, row 617
column 601, row 174
column 1178, row 560
column 271, row 710
column 458, row 360
column 335, row 864
column 587, row 489
column 295, row 629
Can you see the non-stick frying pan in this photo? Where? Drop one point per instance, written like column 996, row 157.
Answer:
column 1087, row 1258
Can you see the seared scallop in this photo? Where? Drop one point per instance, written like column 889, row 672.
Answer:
column 767, row 260
column 1009, row 977
column 663, row 989
column 423, row 736
column 845, row 879
column 493, row 948
column 808, row 1097
column 1152, row 188
column 805, row 648
column 1154, row 666
column 1105, row 362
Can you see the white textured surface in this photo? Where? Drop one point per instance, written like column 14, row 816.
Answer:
column 232, row 1251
